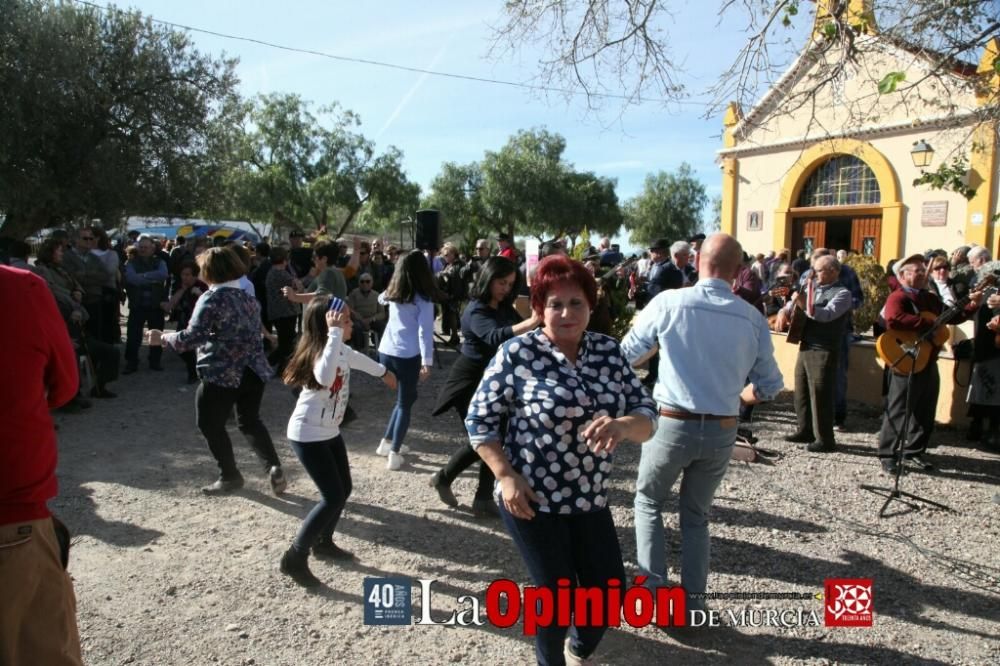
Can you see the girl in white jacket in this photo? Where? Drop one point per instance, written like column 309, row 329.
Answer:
column 321, row 366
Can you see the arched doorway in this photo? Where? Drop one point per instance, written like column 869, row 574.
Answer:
column 819, row 218
column 841, row 192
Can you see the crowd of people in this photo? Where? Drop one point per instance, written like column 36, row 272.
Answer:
column 545, row 398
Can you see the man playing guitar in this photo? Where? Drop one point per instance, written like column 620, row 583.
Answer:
column 909, row 308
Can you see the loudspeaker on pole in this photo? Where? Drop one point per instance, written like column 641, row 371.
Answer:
column 428, row 230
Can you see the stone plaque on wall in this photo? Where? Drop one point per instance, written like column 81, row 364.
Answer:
column 934, row 214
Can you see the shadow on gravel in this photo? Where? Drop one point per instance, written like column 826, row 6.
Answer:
column 291, row 504
column 75, row 505
column 729, row 646
column 740, row 517
column 757, row 561
column 963, row 468
column 805, row 649
column 463, row 512
column 951, row 463
column 436, row 539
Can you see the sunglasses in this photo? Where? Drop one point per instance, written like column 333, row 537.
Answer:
column 86, row 238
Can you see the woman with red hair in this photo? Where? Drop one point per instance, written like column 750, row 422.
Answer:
column 569, row 398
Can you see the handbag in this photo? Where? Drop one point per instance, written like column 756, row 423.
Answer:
column 962, row 351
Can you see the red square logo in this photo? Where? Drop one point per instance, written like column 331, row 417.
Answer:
column 848, row 602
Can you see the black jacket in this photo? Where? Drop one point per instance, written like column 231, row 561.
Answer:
column 672, row 277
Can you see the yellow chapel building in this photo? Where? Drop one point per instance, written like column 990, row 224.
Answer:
column 833, row 165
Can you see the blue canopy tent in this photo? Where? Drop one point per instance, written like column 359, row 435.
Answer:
column 191, row 231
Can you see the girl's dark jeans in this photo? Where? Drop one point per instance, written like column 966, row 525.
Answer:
column 327, row 465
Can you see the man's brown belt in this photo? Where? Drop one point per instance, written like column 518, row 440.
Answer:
column 690, row 416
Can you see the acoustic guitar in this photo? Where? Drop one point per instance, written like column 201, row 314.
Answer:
column 797, row 320
column 796, row 325
column 896, row 348
column 906, row 352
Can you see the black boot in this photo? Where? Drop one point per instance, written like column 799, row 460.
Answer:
column 296, row 565
column 991, row 439
column 975, row 432
column 443, row 490
column 485, row 508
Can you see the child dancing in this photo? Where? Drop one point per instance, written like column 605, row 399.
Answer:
column 321, row 366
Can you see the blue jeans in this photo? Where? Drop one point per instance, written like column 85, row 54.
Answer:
column 407, row 371
column 582, row 547
column 327, row 465
column 700, row 450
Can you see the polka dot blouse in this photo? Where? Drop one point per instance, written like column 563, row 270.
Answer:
column 549, row 402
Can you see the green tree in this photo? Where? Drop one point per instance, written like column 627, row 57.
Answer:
column 716, row 221
column 670, row 206
column 457, row 193
column 589, row 201
column 521, row 181
column 524, row 188
column 294, row 168
column 105, row 114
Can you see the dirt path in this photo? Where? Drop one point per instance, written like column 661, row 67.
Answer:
column 166, row 576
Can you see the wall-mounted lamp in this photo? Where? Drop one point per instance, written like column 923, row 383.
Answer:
column 922, row 153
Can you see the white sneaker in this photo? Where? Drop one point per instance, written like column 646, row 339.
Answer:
column 385, row 446
column 395, row 461
column 571, row 658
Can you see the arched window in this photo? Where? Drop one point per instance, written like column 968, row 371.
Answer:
column 841, row 181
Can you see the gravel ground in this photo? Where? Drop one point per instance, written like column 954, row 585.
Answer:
column 166, row 576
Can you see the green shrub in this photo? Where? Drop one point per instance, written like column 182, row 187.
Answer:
column 875, row 287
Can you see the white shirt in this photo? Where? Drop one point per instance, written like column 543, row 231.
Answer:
column 705, row 326
column 319, row 412
column 642, row 267
column 945, row 292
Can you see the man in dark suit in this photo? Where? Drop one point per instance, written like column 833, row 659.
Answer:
column 672, row 274
column 659, row 258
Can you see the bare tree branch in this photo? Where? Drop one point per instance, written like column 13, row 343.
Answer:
column 616, row 53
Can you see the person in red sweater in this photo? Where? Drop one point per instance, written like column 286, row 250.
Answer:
column 507, row 249
column 902, row 313
column 38, row 609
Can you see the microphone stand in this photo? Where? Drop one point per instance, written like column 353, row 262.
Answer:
column 902, row 439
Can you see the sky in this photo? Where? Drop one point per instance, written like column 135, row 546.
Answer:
column 435, row 119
